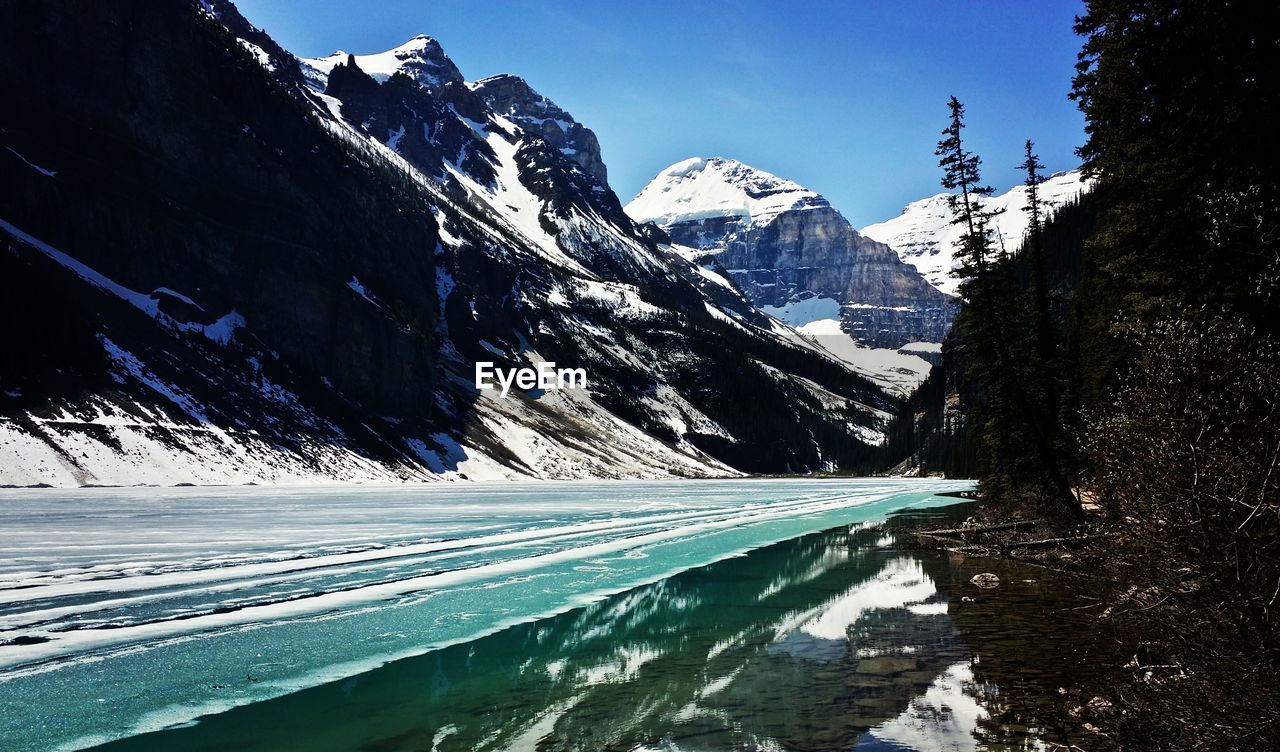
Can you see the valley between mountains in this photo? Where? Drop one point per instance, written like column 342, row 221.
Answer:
column 223, row 264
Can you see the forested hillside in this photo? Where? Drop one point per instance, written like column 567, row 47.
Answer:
column 1117, row 376
column 933, row 433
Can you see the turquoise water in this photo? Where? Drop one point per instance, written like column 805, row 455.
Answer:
column 838, row 640
column 129, row 611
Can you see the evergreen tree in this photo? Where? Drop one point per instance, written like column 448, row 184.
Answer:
column 1043, row 377
column 1019, row 454
column 961, row 169
column 1181, row 101
column 1042, row 327
column 1179, row 312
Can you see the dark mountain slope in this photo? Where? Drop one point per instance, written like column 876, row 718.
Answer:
column 265, row 270
column 593, row 290
column 183, row 165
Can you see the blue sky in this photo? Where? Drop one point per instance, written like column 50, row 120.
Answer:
column 846, row 98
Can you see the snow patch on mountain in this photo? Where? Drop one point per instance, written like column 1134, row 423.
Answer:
column 510, row 199
column 898, row 371
column 818, row 320
column 220, row 331
column 800, row 312
column 42, row 170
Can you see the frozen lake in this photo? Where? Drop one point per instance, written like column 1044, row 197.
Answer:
column 124, row 611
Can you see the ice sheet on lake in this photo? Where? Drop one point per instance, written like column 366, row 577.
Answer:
column 126, row 610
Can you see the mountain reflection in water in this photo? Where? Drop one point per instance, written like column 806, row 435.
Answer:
column 836, row 640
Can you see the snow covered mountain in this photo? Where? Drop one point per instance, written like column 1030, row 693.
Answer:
column 799, row 259
column 221, row 264
column 724, row 190
column 421, row 59
column 925, row 238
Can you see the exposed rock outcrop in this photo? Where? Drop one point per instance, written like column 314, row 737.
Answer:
column 785, row 245
column 513, row 98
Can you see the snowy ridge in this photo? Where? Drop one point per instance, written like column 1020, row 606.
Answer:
column 924, row 237
column 420, row 58
column 702, row 188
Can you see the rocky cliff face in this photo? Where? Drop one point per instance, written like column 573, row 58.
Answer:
column 511, row 97
column 270, row 270
column 813, row 251
column 784, row 245
column 183, row 169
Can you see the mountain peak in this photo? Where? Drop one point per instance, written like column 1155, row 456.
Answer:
column 705, row 187
column 509, row 78
column 790, row 252
column 420, row 58
column 512, row 97
column 422, row 47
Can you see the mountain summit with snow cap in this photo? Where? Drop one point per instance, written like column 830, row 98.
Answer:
column 701, row 188
column 793, row 253
column 421, row 59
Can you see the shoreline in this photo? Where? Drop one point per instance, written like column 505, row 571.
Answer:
column 1166, row 653
column 492, row 481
